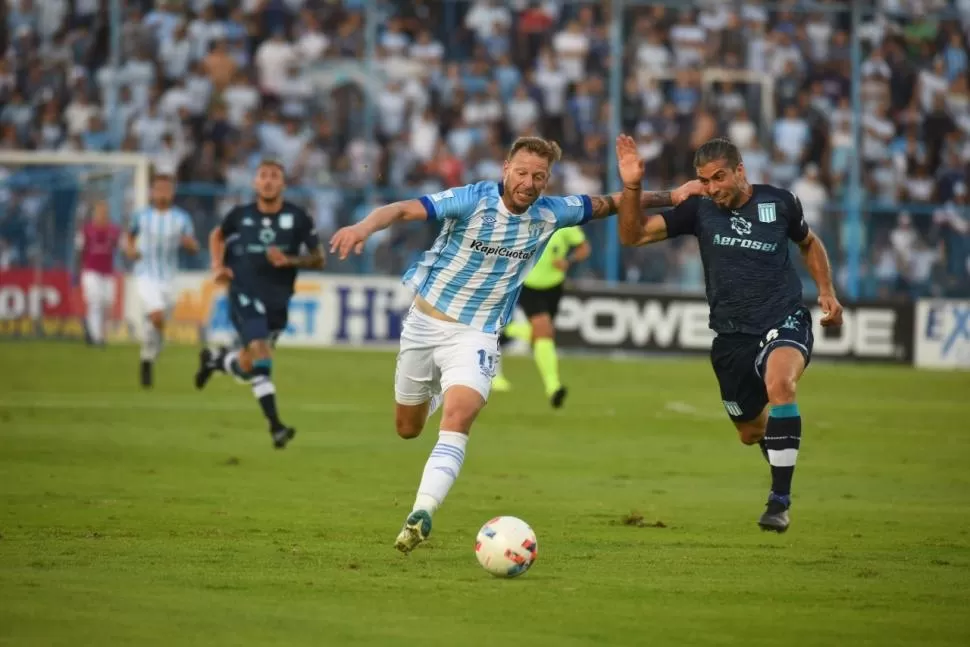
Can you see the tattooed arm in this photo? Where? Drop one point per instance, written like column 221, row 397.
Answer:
column 606, row 205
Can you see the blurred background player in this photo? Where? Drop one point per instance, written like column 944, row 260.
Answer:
column 539, row 300
column 97, row 242
column 466, row 286
column 764, row 332
column 258, row 249
column 156, row 235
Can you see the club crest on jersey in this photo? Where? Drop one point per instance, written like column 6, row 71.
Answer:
column 286, row 221
column 535, row 228
column 766, row 212
column 741, row 226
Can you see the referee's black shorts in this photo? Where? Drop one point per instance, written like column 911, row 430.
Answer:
column 537, row 302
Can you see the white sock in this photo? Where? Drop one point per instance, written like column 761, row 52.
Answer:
column 434, row 404
column 151, row 344
column 228, row 360
column 441, row 470
column 94, row 319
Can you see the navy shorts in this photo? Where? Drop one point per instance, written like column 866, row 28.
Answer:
column 739, row 362
column 253, row 320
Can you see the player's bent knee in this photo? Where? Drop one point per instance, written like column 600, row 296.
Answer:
column 409, row 419
column 158, row 319
column 260, row 349
column 542, row 327
column 780, row 388
column 461, row 407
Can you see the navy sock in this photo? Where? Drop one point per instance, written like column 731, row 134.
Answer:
column 763, row 446
column 265, row 391
column 783, row 437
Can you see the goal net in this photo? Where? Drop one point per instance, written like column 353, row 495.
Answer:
column 45, row 197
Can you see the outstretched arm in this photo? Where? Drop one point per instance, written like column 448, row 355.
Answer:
column 383, row 217
column 607, row 205
column 354, row 237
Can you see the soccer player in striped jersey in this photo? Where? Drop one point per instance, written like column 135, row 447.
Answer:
column 154, row 239
column 465, row 288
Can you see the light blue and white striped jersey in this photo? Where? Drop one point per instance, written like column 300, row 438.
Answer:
column 474, row 271
column 158, row 238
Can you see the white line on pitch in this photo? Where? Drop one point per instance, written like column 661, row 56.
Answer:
column 161, row 404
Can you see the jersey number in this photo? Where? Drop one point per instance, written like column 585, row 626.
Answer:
column 486, row 363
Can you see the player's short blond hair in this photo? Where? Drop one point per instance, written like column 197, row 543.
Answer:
column 546, row 148
column 272, row 161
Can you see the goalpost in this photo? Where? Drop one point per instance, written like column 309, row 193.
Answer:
column 44, row 198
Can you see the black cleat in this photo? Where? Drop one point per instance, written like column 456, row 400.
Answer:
column 281, row 436
column 146, row 374
column 775, row 517
column 558, row 397
column 206, row 368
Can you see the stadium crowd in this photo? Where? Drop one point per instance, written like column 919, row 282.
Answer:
column 208, row 87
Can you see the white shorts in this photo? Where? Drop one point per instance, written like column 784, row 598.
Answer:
column 98, row 288
column 155, row 295
column 437, row 355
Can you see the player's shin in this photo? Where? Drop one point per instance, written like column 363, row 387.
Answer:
column 151, row 343
column 265, row 391
column 441, row 470
column 544, row 351
column 783, row 437
column 95, row 321
column 230, row 363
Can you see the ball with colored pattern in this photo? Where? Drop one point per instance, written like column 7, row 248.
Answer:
column 506, row 547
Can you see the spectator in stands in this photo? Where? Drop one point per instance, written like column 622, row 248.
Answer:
column 209, row 88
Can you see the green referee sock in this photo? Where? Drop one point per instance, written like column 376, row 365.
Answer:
column 544, row 351
column 520, row 330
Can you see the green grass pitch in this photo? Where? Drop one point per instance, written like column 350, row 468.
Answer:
column 166, row 518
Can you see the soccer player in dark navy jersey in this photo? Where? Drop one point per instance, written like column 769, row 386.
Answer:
column 258, row 249
column 764, row 332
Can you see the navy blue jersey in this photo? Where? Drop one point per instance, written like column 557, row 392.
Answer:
column 748, row 269
column 249, row 232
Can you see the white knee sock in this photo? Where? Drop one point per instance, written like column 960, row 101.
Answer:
column 441, row 470
column 151, row 345
column 95, row 319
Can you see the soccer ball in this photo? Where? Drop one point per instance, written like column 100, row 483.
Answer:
column 506, row 547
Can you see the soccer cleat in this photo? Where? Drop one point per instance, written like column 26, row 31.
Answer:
column 281, row 436
column 206, row 368
column 146, row 374
column 558, row 397
column 775, row 517
column 501, row 384
column 416, row 529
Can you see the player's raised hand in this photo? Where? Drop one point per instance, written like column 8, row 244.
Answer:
column 831, row 310
column 630, row 163
column 346, row 239
column 276, row 257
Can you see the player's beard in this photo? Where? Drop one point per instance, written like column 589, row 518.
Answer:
column 269, row 197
